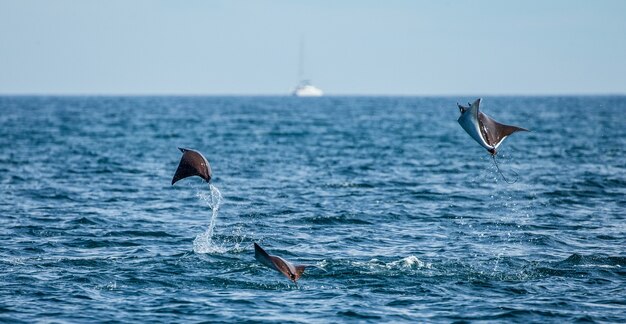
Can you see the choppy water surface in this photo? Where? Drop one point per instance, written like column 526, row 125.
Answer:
column 402, row 214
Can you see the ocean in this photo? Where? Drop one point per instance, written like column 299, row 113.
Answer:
column 399, row 214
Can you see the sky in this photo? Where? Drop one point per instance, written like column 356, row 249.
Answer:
column 351, row 47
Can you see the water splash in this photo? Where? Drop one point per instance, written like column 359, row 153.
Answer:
column 203, row 243
column 516, row 175
column 239, row 237
column 410, row 262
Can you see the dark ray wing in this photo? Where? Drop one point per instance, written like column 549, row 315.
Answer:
column 263, row 257
column 279, row 264
column 284, row 267
column 495, row 132
column 503, row 131
column 192, row 163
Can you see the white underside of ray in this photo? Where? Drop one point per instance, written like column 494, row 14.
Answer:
column 469, row 122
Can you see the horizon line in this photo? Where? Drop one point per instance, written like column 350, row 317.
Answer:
column 151, row 94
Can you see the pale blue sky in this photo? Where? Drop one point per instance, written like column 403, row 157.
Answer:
column 365, row 47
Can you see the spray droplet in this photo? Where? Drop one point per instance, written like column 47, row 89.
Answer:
column 203, row 243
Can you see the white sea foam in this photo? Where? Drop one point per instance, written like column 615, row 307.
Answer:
column 409, row 262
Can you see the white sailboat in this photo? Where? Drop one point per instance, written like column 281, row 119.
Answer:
column 304, row 87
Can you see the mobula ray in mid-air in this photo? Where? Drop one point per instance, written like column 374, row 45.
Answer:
column 279, row 264
column 192, row 163
column 483, row 129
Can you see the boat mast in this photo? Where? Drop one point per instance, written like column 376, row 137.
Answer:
column 301, row 61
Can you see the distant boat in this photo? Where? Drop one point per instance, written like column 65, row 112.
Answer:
column 304, row 88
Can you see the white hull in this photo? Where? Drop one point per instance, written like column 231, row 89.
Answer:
column 307, row 91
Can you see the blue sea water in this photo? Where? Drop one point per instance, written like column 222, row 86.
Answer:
column 402, row 216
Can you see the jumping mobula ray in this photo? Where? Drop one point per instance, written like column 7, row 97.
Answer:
column 192, row 163
column 279, row 264
column 483, row 129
